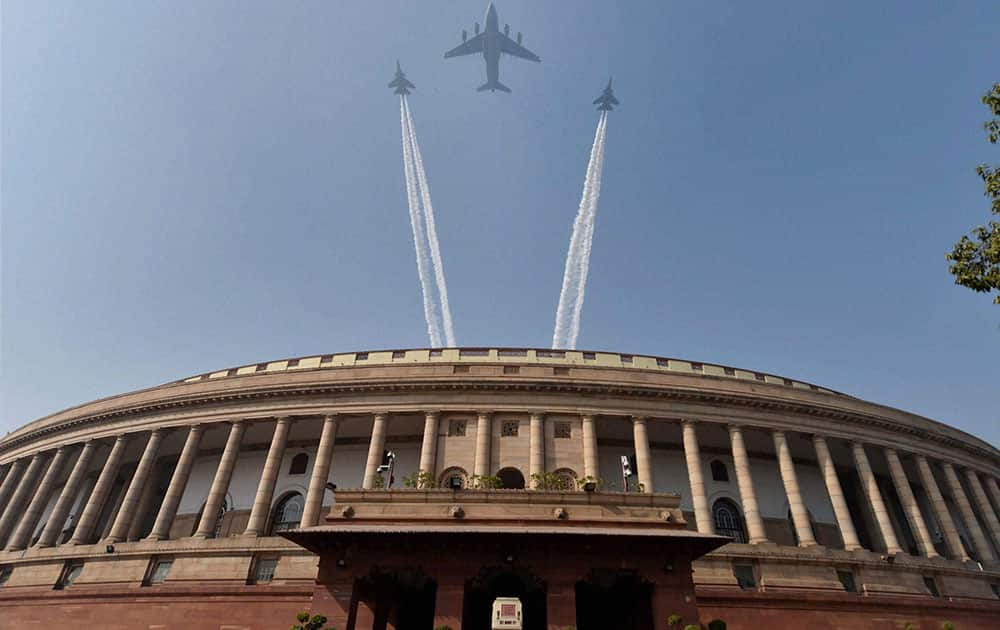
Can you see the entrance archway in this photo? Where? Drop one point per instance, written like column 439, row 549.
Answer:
column 404, row 598
column 511, row 478
column 632, row 598
column 493, row 582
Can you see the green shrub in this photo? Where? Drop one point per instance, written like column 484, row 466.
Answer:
column 716, row 624
column 693, row 626
column 420, row 479
column 674, row 621
column 948, row 626
column 316, row 622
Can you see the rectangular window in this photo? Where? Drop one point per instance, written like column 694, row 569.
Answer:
column 759, row 377
column 931, row 586
column 511, row 369
column 456, row 428
column 996, row 590
column 560, row 371
column 550, row 354
column 159, row 569
column 474, row 352
column 71, row 570
column 589, row 356
column 6, row 571
column 745, row 576
column 847, row 580
column 626, row 358
column 263, row 570
column 662, row 362
column 361, row 356
column 399, row 354
column 508, row 428
column 563, row 430
column 729, row 371
column 697, row 367
column 436, row 353
column 461, row 369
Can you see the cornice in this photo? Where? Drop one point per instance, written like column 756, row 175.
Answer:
column 576, row 387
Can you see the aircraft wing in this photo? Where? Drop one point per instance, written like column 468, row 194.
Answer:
column 511, row 47
column 468, row 47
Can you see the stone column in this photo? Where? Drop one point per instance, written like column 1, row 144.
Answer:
column 95, row 504
column 643, row 457
column 590, row 459
column 971, row 524
column 64, row 503
column 320, row 473
column 875, row 498
column 536, row 446
column 178, row 482
column 692, row 456
column 748, row 495
column 375, row 448
column 21, row 537
column 146, row 499
column 24, row 489
column 790, row 479
column 257, row 524
column 836, row 493
column 483, row 439
column 941, row 509
column 126, row 512
column 10, row 482
column 983, row 503
column 220, row 483
column 910, row 506
column 428, row 449
column 994, row 490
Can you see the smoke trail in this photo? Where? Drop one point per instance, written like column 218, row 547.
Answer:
column 588, row 240
column 435, row 249
column 571, row 287
column 418, row 237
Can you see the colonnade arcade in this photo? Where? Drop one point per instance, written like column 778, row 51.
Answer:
column 64, row 495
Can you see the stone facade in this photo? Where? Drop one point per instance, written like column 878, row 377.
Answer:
column 831, row 503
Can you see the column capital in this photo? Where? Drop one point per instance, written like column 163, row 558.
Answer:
column 484, row 413
column 732, row 427
column 432, row 413
column 639, row 419
column 330, row 414
column 283, row 419
column 380, row 414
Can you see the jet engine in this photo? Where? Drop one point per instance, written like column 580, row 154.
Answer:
column 506, row 30
column 518, row 39
column 465, row 35
column 477, row 28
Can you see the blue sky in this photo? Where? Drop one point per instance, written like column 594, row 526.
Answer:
column 190, row 186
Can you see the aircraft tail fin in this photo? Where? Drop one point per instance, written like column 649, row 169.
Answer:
column 493, row 85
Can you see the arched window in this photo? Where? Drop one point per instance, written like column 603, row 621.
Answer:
column 299, row 464
column 460, row 477
column 287, row 513
column 511, row 478
column 719, row 472
column 567, row 479
column 728, row 520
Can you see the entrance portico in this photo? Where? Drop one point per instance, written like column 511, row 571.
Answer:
column 385, row 552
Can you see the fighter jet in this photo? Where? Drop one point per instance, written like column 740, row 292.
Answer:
column 605, row 101
column 401, row 83
column 492, row 43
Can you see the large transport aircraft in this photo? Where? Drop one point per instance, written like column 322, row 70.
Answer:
column 402, row 85
column 492, row 43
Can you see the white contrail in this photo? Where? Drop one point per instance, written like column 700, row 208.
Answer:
column 418, row 237
column 588, row 240
column 435, row 249
column 571, row 286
